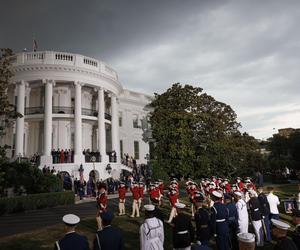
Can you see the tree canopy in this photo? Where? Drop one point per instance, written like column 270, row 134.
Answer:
column 7, row 111
column 197, row 135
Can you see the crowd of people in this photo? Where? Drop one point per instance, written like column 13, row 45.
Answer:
column 236, row 214
column 62, row 156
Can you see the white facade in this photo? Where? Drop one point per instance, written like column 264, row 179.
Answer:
column 70, row 101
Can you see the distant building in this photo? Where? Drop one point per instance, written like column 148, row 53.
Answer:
column 73, row 102
column 286, row 132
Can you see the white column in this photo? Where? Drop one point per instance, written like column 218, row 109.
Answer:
column 115, row 126
column 78, row 156
column 101, row 125
column 46, row 158
column 19, row 151
column 48, row 118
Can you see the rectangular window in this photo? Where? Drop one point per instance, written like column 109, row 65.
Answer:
column 120, row 121
column 121, row 148
column 136, row 150
column 135, row 121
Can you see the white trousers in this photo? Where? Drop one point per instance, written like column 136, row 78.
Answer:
column 135, row 209
column 259, row 233
column 243, row 226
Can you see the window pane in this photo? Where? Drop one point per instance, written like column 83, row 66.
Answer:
column 136, row 150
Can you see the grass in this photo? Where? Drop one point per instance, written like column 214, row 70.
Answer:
column 44, row 239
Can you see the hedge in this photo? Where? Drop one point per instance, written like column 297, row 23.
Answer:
column 35, row 201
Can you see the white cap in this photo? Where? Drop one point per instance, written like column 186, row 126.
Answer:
column 246, row 237
column 280, row 224
column 238, row 193
column 179, row 205
column 217, row 194
column 71, row 219
column 252, row 192
column 149, row 207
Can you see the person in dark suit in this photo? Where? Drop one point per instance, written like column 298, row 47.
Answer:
column 109, row 238
column 71, row 240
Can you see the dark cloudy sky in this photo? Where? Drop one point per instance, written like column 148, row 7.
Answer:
column 244, row 53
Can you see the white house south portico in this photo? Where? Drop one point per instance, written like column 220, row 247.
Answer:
column 74, row 104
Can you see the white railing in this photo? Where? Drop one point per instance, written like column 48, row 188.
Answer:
column 62, row 58
column 34, row 56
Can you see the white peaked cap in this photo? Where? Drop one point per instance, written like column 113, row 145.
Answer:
column 280, row 224
column 238, row 194
column 252, row 192
column 217, row 194
column 179, row 205
column 246, row 237
column 149, row 207
column 71, row 219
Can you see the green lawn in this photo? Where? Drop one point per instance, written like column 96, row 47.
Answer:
column 44, row 239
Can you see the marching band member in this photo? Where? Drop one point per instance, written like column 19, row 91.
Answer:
column 122, row 193
column 135, row 196
column 101, row 204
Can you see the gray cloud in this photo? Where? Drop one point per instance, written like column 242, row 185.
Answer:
column 244, row 53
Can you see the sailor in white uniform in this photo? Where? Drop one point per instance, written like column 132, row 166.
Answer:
column 241, row 207
column 151, row 231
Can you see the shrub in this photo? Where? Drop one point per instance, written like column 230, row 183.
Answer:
column 35, row 201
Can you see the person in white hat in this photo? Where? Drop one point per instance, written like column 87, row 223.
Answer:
column 279, row 231
column 151, row 231
column 71, row 240
column 256, row 217
column 183, row 230
column 241, row 207
column 246, row 241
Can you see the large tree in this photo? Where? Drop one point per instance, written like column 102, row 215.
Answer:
column 7, row 113
column 198, row 135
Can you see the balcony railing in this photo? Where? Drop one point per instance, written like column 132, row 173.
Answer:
column 34, row 110
column 89, row 112
column 64, row 110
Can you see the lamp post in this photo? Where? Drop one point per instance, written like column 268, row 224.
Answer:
column 81, row 185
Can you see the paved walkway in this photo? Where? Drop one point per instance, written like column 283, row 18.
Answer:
column 11, row 224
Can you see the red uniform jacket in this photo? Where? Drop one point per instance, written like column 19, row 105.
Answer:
column 154, row 194
column 241, row 185
column 135, row 193
column 192, row 194
column 102, row 202
column 122, row 193
column 141, row 192
column 227, row 188
column 173, row 199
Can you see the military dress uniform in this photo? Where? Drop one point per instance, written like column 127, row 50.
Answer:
column 109, row 238
column 219, row 220
column 232, row 222
column 256, row 217
column 265, row 211
column 101, row 207
column 141, row 193
column 122, row 194
column 183, row 231
column 203, row 224
column 135, row 196
column 283, row 243
column 72, row 240
column 296, row 236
